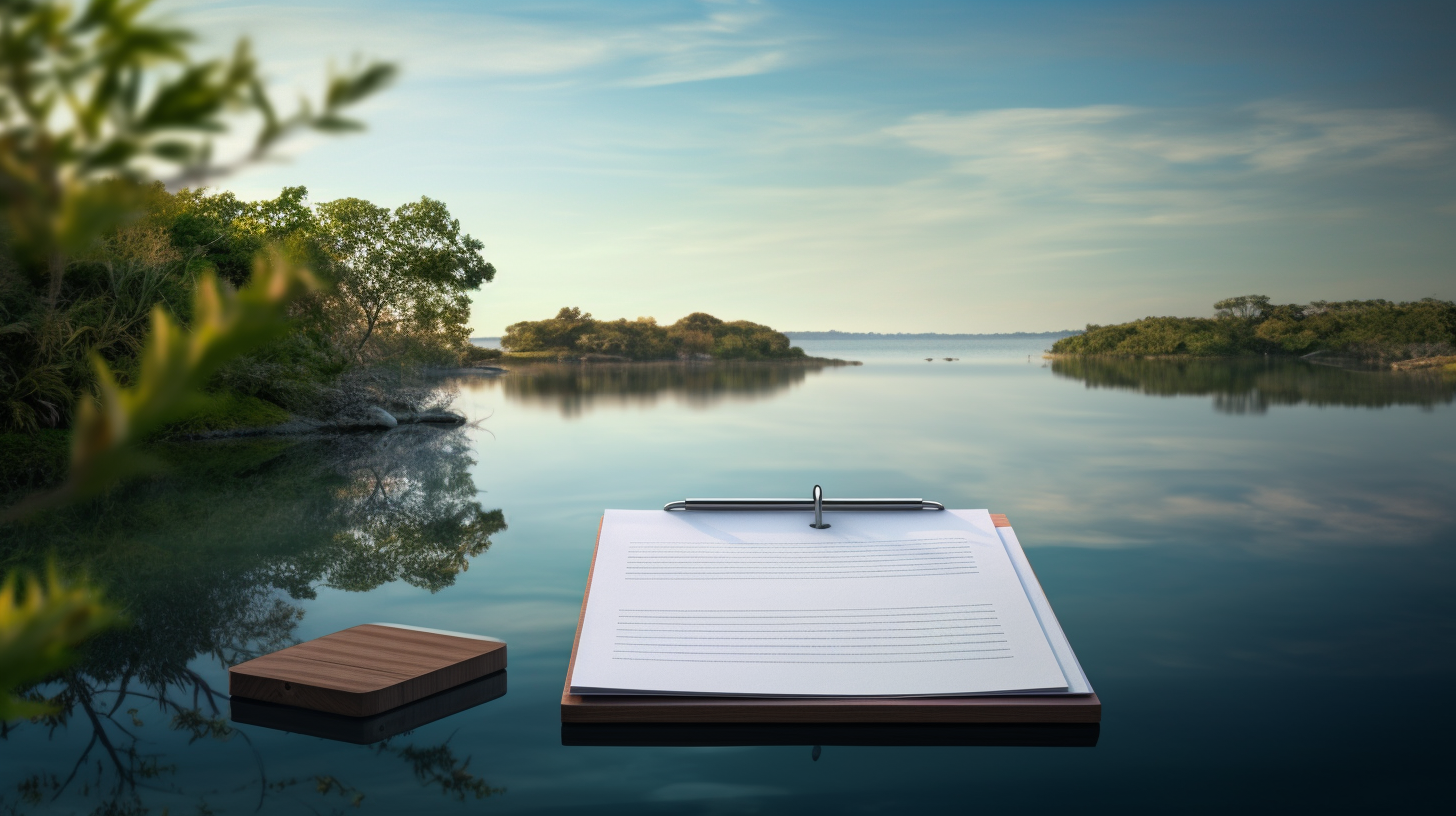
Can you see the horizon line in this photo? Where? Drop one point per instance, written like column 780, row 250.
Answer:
column 836, row 332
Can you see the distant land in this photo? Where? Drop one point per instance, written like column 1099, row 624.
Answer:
column 839, row 335
column 494, row 342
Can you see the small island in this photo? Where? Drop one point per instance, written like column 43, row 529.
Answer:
column 1419, row 334
column 575, row 335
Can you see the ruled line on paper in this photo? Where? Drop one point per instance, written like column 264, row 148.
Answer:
column 845, row 635
column 832, row 560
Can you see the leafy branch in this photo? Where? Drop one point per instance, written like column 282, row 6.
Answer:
column 41, row 624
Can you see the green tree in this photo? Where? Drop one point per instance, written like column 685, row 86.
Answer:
column 406, row 271
column 1245, row 306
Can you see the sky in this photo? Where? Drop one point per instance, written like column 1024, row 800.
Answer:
column 892, row 167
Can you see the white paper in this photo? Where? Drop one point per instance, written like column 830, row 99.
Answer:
column 889, row 603
column 1077, row 682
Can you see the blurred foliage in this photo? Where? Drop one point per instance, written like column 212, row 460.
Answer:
column 93, row 105
column 1375, row 330
column 41, row 624
column 91, row 99
column 699, row 335
column 1252, row 386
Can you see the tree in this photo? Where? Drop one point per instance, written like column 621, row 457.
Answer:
column 408, row 270
column 1244, row 306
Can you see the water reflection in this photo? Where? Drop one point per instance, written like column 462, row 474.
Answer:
column 574, row 388
column 1252, row 386
column 211, row 562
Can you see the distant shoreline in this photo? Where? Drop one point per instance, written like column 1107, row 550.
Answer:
column 839, row 335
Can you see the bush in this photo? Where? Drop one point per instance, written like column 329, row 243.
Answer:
column 478, row 354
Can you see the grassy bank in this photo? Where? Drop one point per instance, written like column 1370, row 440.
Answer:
column 39, row 459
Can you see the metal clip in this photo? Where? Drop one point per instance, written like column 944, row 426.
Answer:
column 819, row 509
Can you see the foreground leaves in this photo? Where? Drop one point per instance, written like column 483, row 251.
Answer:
column 41, row 624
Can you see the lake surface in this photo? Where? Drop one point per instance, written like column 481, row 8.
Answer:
column 1255, row 562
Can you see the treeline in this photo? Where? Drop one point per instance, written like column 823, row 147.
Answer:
column 1376, row 330
column 394, row 292
column 575, row 333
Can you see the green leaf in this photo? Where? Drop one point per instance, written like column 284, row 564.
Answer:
column 41, row 624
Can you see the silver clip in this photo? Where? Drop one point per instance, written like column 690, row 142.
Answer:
column 819, row 509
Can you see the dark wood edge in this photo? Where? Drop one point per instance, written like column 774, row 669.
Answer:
column 922, row 710
column 567, row 698
column 576, row 708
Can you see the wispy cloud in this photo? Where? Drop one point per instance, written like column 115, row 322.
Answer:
column 701, row 67
column 1099, row 145
column 711, row 41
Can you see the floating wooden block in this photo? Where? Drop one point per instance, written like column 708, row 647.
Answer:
column 365, row 670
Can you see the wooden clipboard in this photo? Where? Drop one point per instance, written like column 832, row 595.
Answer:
column 595, row 708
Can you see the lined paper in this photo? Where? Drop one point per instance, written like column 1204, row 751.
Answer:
column 900, row 634
column 760, row 604
column 794, row 561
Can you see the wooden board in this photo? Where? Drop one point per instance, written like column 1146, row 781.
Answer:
column 598, row 708
column 365, row 670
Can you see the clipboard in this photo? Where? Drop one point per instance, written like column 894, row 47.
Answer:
column 642, row 709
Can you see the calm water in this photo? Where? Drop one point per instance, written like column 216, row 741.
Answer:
column 1255, row 563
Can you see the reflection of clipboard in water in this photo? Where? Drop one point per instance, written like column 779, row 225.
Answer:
column 792, row 611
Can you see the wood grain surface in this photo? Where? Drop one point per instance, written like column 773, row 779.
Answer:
column 595, row 708
column 365, row 670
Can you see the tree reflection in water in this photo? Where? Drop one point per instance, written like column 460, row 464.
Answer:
column 576, row 387
column 1251, row 386
column 208, row 562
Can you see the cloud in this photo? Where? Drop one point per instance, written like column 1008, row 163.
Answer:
column 714, row 41
column 1107, row 166
column 1115, row 145
column 713, row 67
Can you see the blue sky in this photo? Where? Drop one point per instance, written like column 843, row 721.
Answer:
column 905, row 167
